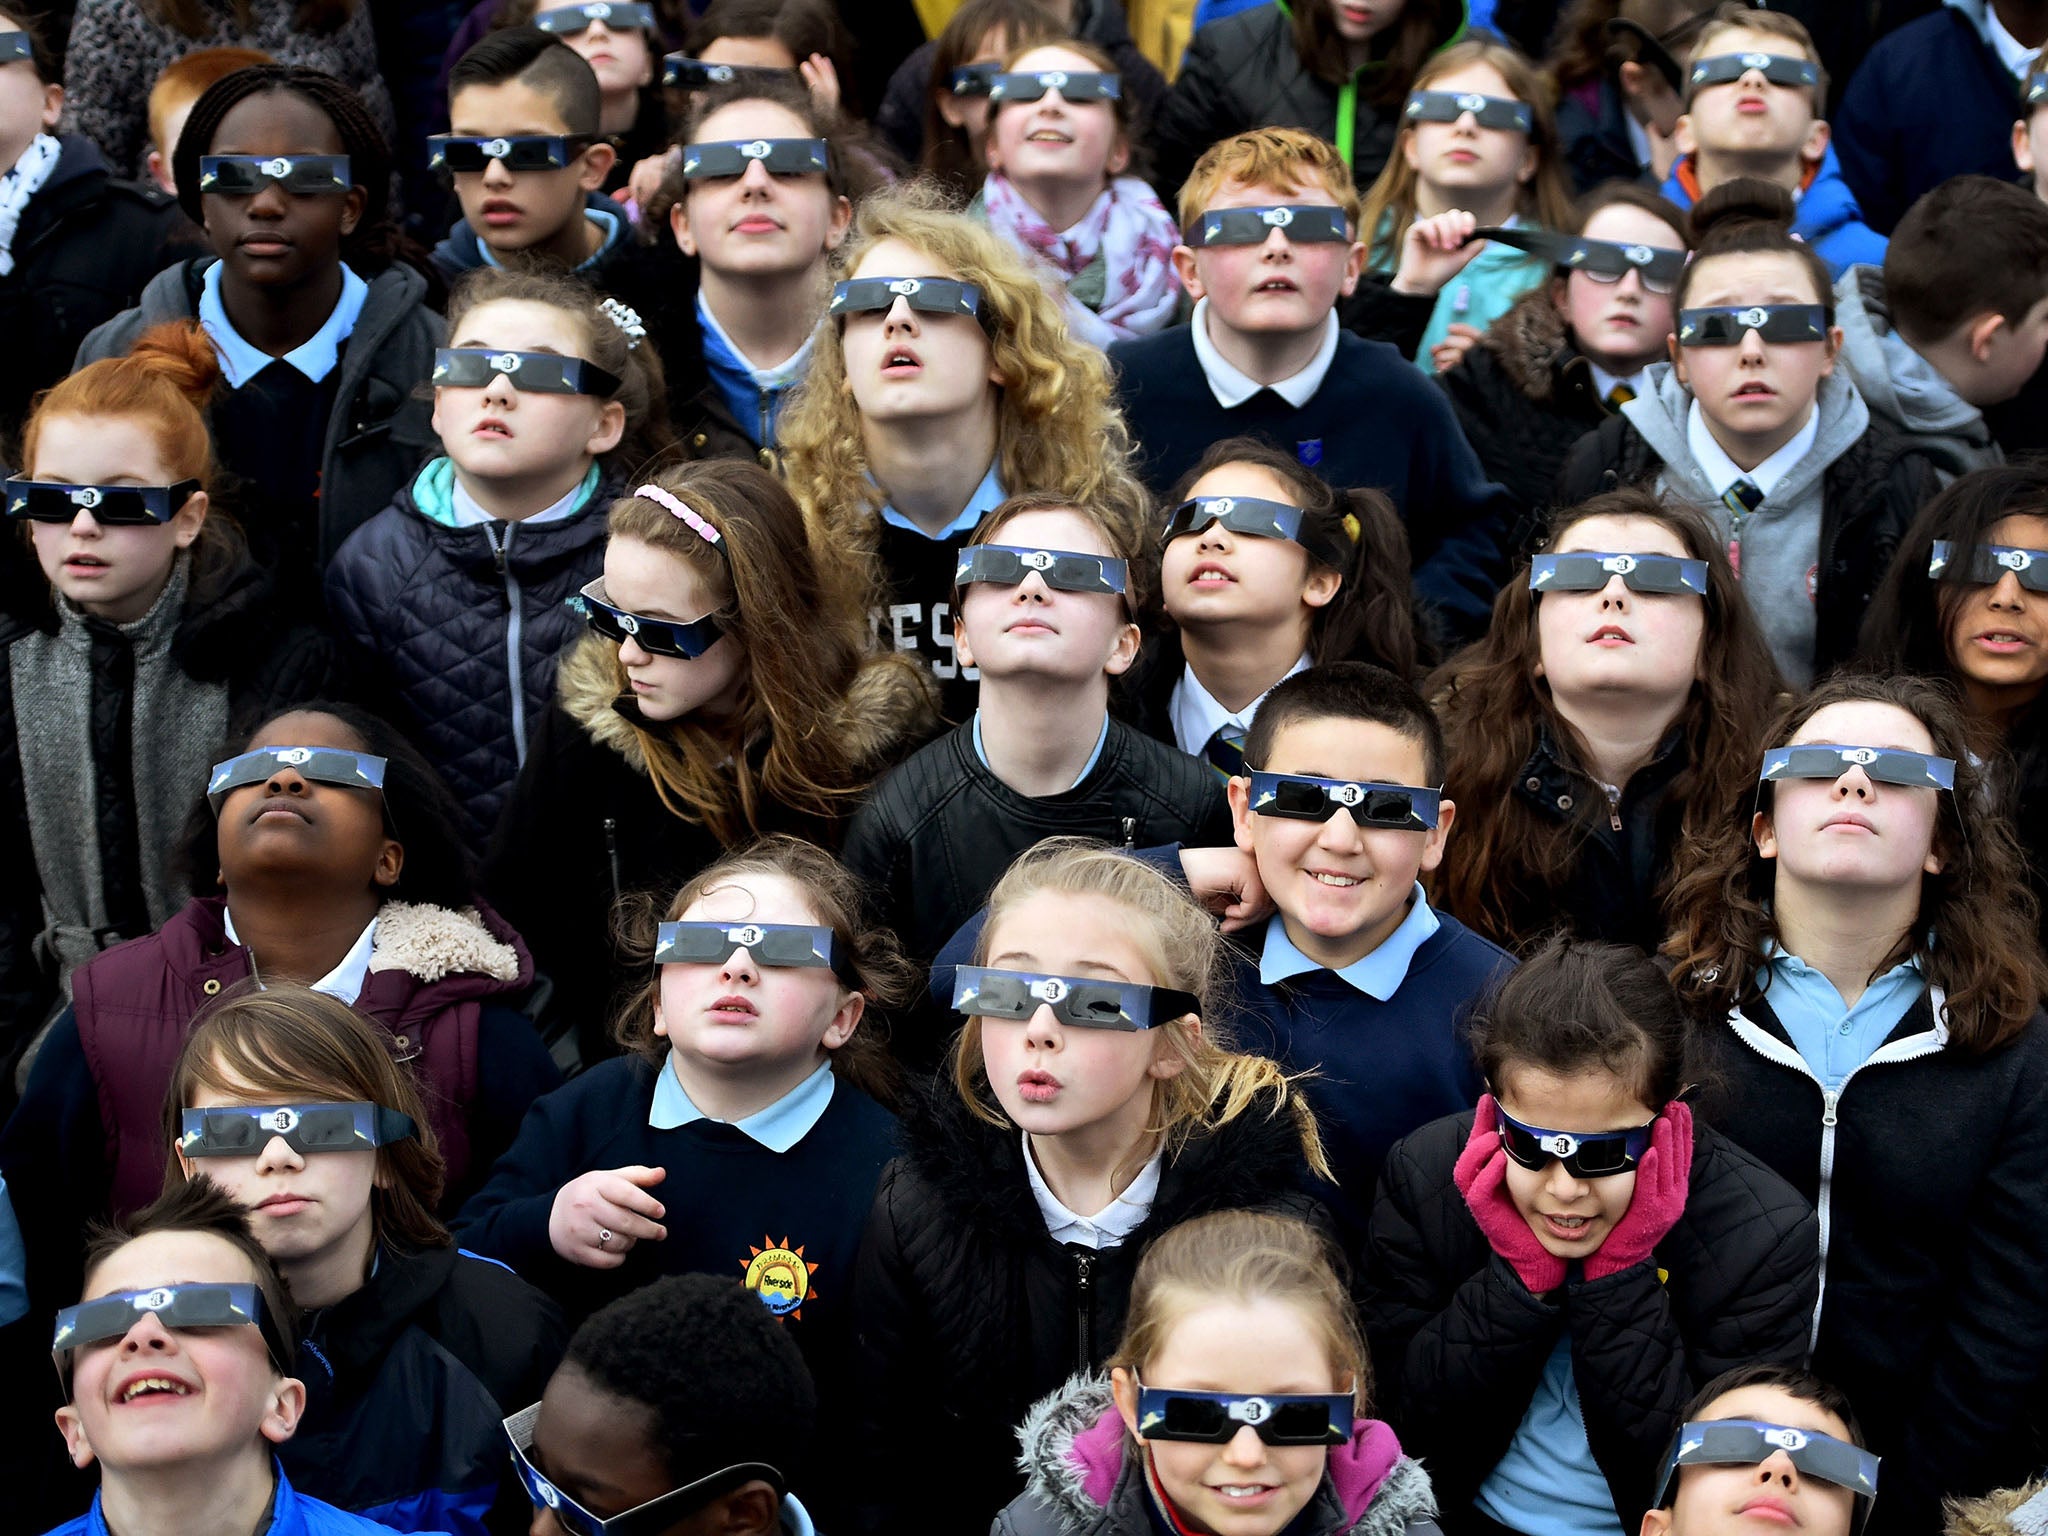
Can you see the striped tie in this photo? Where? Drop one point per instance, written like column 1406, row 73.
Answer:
column 1225, row 751
column 1741, row 499
column 1619, row 396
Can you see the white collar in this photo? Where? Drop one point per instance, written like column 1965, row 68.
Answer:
column 1197, row 716
column 346, row 981
column 1604, row 382
column 1233, row 388
column 2012, row 53
column 1638, row 139
column 468, row 513
column 1108, row 1227
column 1721, row 471
column 315, row 357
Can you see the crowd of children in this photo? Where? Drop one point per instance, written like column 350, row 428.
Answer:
column 1268, row 773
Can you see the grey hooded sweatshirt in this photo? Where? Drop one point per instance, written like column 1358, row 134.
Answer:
column 1901, row 387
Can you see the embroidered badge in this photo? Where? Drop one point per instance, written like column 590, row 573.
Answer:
column 780, row 1276
column 1310, row 451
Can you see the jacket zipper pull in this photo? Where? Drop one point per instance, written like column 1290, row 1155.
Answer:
column 611, row 852
column 1130, row 831
column 1829, row 1099
column 1084, row 1309
column 1613, row 805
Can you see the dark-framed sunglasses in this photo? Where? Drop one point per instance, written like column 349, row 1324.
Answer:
column 1603, row 261
column 300, row 175
column 1777, row 68
column 779, row 157
column 1086, row 1002
column 1064, row 570
column 1984, row 565
column 1725, row 327
column 568, row 20
column 687, row 638
column 657, row 1514
column 1073, row 85
column 681, row 72
column 1585, row 1155
column 1305, row 223
column 1255, row 518
column 16, row 45
column 1503, row 112
column 1887, row 765
column 243, row 1130
column 927, row 295
column 1751, row 1442
column 1387, row 807
column 974, row 79
column 1214, row 1418
column 784, row 945
column 1590, row 570
column 180, row 1308
column 320, row 765
column 536, row 373
column 111, row 506
column 463, row 154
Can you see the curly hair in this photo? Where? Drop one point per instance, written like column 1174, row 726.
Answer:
column 1502, row 873
column 1975, row 933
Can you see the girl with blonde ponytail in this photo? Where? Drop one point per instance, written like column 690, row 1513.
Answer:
column 1095, row 1102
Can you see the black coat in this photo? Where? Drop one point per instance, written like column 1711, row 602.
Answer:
column 968, row 1312
column 1459, row 1343
column 1933, row 1184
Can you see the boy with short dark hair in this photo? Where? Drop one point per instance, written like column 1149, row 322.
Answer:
column 527, row 159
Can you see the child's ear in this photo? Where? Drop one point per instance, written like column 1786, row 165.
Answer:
column 679, row 225
column 1119, row 157
column 845, row 1021
column 1656, row 1522
column 752, row 1509
column 72, row 1428
column 1834, row 350
column 1433, row 844
column 1764, row 834
column 352, row 205
column 281, row 1414
column 962, row 651
column 1532, row 161
column 660, row 1023
column 1816, row 143
column 1123, row 1390
column 188, row 520
column 1984, row 330
column 390, row 863
column 1190, row 273
column 1124, row 652
column 53, row 106
column 611, row 429
column 1169, row 1061
column 1239, row 793
column 1682, row 135
column 1321, row 586
column 160, row 172
column 1677, row 357
column 950, row 109
column 842, row 220
column 598, row 161
column 2023, row 147
column 1354, row 268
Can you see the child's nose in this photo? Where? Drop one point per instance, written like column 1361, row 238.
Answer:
column 496, row 173
column 2007, row 592
column 1042, row 1029
column 1244, row 1449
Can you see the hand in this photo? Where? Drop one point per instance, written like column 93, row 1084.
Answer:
column 1434, row 251
column 1458, row 340
column 1662, row 1179
column 1226, row 882
column 647, row 177
column 1481, row 1176
column 1663, row 152
column 599, row 1216
column 823, row 80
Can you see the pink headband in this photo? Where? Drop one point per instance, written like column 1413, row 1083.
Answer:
column 701, row 528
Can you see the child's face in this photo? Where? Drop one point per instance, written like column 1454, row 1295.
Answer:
column 971, row 112
column 1852, row 831
column 1570, row 1216
column 649, row 581
column 27, row 106
column 739, row 1016
column 160, row 156
column 1773, row 1494
column 599, row 1449
column 748, row 52
column 1998, row 638
column 1751, row 116
column 1620, row 326
column 116, row 572
column 1462, row 157
column 227, row 1397
column 1032, row 630
column 500, row 434
column 1053, row 141
column 1615, row 640
column 905, row 365
column 514, row 211
column 2029, row 148
column 1243, row 1487
column 1217, row 581
column 1360, row 21
column 1759, row 390
column 1341, row 888
column 621, row 60
column 1058, row 1079
column 274, row 238
column 288, row 827
column 1278, row 288
column 758, row 224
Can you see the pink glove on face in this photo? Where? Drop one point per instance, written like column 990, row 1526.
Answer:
column 1481, row 1175
column 1662, row 1179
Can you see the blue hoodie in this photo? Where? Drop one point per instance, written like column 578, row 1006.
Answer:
column 1826, row 218
column 291, row 1514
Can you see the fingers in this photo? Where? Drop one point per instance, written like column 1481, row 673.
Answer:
column 640, row 1174
column 626, row 1227
column 615, row 1190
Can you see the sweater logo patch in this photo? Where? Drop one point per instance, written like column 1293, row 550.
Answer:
column 780, row 1275
column 1310, row 451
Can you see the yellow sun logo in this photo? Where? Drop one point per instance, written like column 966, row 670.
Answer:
column 780, row 1276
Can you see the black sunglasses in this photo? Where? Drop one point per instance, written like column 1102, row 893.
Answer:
column 1255, row 518
column 1723, row 68
column 1214, row 1418
column 1006, row 565
column 1388, row 807
column 1726, row 326
column 181, row 1308
column 1985, row 565
column 974, row 79
column 1750, row 1442
column 568, row 20
column 1073, row 85
column 1594, row 1155
column 1887, row 765
column 15, row 45
column 1305, row 223
column 465, row 154
column 111, row 506
column 929, row 295
column 1590, row 570
column 688, row 639
column 1083, row 1001
column 541, row 373
column 319, row 765
column 1491, row 111
column 243, row 1130
column 780, row 157
column 300, row 175
column 1603, row 261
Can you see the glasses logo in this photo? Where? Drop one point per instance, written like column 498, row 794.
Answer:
column 295, row 755
column 1050, row 990
column 750, row 935
column 1053, row 79
column 1559, row 1143
column 277, row 166
column 1861, row 755
column 598, row 12
column 505, row 362
column 755, row 149
column 1279, row 218
column 1471, row 101
column 1037, row 560
column 1347, row 794
column 156, row 1300
column 1638, row 255
column 721, row 73
column 282, row 1120
column 630, row 623
column 1253, row 1410
column 1621, row 565
column 906, row 286
column 1751, row 318
column 87, row 496
column 1754, row 60
column 497, row 149
column 2015, row 559
column 1785, row 1439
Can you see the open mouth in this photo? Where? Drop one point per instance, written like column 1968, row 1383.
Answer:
column 1243, row 1493
column 2003, row 640
column 1569, row 1228
column 1209, row 574
column 84, row 563
column 734, row 1006
column 1754, row 392
column 491, row 427
column 1048, row 136
column 900, row 360
column 152, row 1386
column 1611, row 634
column 1277, row 285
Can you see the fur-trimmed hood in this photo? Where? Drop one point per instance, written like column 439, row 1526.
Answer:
column 1080, row 1482
column 1531, row 344
column 431, row 942
column 1995, row 1513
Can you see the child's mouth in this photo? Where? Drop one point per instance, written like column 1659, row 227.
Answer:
column 1334, row 880
column 1037, row 1087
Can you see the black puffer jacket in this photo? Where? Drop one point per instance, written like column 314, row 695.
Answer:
column 1459, row 1342
column 968, row 1312
column 456, row 631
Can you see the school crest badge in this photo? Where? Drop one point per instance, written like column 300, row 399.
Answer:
column 780, row 1275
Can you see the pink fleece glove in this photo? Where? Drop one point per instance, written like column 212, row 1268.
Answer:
column 1481, row 1175
column 1662, row 1179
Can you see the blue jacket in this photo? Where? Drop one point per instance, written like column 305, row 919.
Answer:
column 1826, row 216
column 292, row 1515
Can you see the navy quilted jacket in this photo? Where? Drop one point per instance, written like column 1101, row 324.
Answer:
column 456, row 631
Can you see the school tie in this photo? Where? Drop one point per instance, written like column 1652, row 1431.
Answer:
column 1225, row 751
column 1619, row 396
column 1741, row 499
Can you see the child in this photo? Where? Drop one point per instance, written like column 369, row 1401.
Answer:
column 180, row 1301
column 687, row 1394
column 154, row 632
column 1539, row 1338
column 527, row 157
column 1767, row 122
column 939, row 118
column 622, row 45
column 1228, row 1310
column 1751, row 423
column 177, row 88
column 1955, row 323
column 412, row 1350
column 2029, row 145
column 1867, row 937
column 1606, row 718
column 1459, row 168
column 1058, row 147
column 454, row 598
column 1095, row 1102
column 913, row 423
column 1266, row 571
column 323, row 336
column 1046, row 594
column 726, row 691
column 1264, row 355
column 1576, row 349
column 1618, row 85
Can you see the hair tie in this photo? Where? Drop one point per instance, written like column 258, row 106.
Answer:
column 698, row 525
column 1351, row 528
column 627, row 319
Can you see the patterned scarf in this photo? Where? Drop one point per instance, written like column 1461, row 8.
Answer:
column 18, row 186
column 1126, row 229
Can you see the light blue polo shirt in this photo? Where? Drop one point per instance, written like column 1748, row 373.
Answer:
column 315, row 357
column 1378, row 974
column 1833, row 1038
column 778, row 1127
column 986, row 498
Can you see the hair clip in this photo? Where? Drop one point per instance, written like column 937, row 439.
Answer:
column 1351, row 527
column 698, row 525
column 627, row 319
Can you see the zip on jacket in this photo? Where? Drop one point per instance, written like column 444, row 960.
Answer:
column 515, row 675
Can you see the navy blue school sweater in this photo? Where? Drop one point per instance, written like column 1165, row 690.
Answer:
column 1376, row 421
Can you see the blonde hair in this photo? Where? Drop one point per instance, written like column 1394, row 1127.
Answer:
column 1738, row 17
column 1245, row 1257
column 1183, row 951
column 1269, row 157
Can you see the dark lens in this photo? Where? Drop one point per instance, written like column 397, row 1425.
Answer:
column 1003, row 997
column 228, row 1132
column 786, row 947
column 1522, row 1147
column 1386, row 808
column 1297, row 1424
column 1101, row 1006
column 1602, row 1154
column 326, row 1129
column 1194, row 1418
column 1297, row 797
